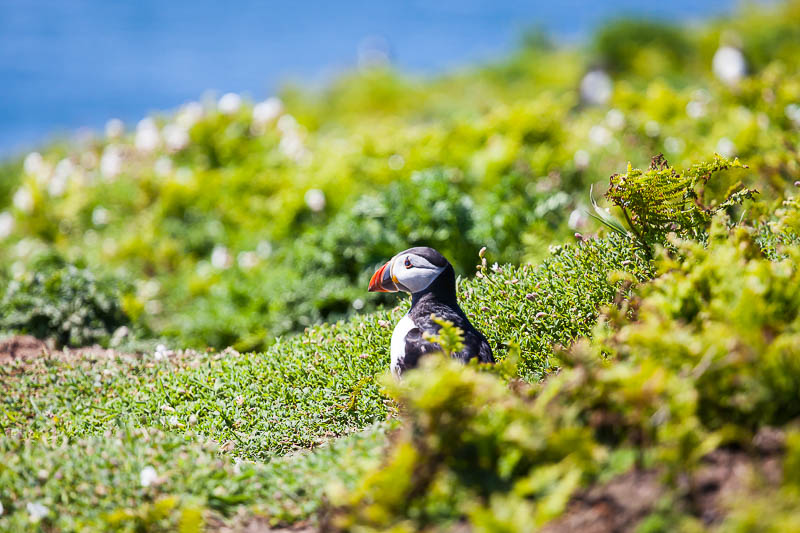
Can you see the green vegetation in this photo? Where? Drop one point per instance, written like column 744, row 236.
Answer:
column 709, row 360
column 63, row 302
column 642, row 347
column 237, row 227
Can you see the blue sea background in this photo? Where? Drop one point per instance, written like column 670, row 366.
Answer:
column 70, row 65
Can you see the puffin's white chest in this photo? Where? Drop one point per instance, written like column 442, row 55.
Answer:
column 398, row 346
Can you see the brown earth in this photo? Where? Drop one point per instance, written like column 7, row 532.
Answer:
column 620, row 505
column 28, row 348
column 22, row 347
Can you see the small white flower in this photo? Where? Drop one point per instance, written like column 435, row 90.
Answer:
column 291, row 146
column 615, row 119
column 115, row 128
column 34, row 162
column 596, row 87
column 221, row 258
column 373, row 52
column 315, row 200
column 189, row 114
column 267, row 111
column 23, row 199
column 264, row 249
column 163, row 166
column 160, row 353
column 726, row 148
column 61, row 176
column 652, row 128
column 577, row 219
column 100, row 216
column 674, row 145
column 6, row 224
column 173, row 421
column 793, row 113
column 696, row 109
column 581, row 159
column 37, row 511
column 247, row 260
column 729, row 65
column 358, row 304
column 396, row 162
column 287, row 124
column 229, row 103
column 176, row 137
column 147, row 135
column 599, row 135
column 111, row 162
column 148, row 476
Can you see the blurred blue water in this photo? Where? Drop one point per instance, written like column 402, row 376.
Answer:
column 69, row 64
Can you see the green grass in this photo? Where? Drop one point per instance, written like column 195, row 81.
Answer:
column 95, row 483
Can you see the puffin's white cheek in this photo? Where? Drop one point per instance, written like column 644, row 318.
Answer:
column 417, row 279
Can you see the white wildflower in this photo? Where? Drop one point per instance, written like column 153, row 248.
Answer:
column 599, row 135
column 793, row 113
column 396, row 162
column 163, row 166
column 37, row 511
column 229, row 103
column 726, row 148
column 596, row 87
column 358, row 304
column 115, row 128
column 247, row 260
column 315, row 200
column 176, row 137
column 100, row 216
column 674, row 145
column 221, row 257
column 373, row 52
column 577, row 219
column 264, row 249
column 23, row 199
column 34, row 163
column 729, row 65
column 189, row 114
column 581, row 158
column 6, row 224
column 111, row 161
column 652, row 128
column 291, row 146
column 696, row 109
column 61, row 176
column 147, row 135
column 287, row 124
column 615, row 119
column 148, row 476
column 267, row 111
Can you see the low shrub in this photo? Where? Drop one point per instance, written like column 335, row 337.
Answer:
column 706, row 357
column 64, row 302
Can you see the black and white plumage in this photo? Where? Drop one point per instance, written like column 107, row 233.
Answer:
column 430, row 279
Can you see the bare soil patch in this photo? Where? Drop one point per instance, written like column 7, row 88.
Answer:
column 620, row 505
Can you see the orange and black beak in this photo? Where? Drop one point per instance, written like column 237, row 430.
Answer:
column 382, row 280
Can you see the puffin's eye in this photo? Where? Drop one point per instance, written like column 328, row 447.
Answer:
column 407, row 263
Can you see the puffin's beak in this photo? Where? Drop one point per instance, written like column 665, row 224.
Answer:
column 382, row 280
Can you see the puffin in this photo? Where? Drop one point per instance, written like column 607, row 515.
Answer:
column 430, row 279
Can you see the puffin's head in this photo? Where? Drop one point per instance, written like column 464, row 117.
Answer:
column 411, row 271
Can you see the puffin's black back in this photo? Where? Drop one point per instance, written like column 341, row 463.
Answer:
column 440, row 299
